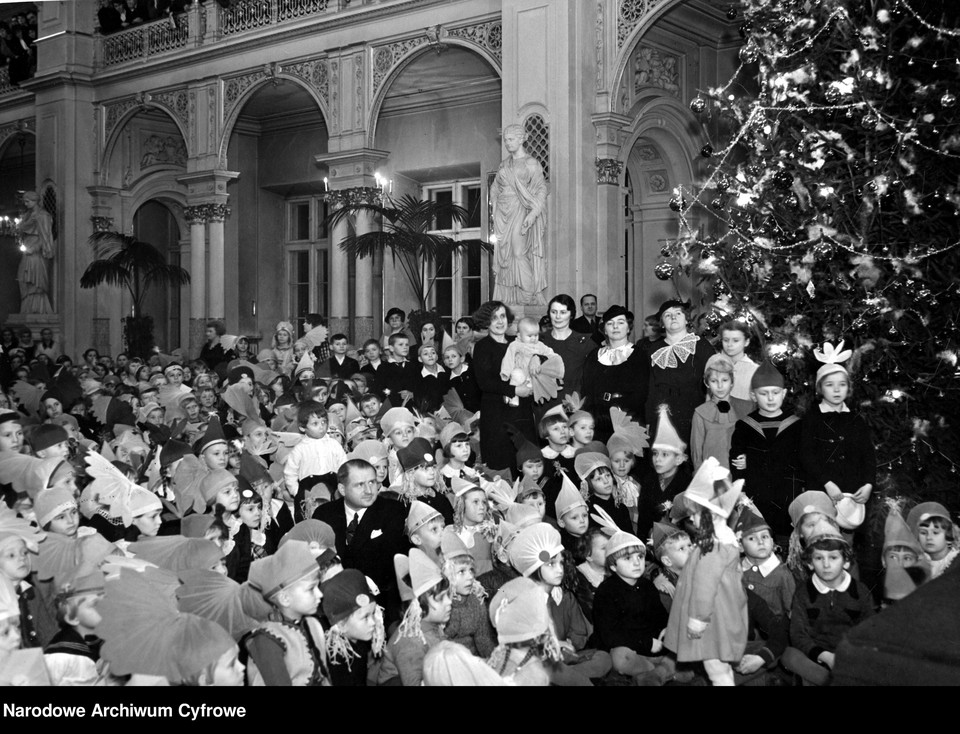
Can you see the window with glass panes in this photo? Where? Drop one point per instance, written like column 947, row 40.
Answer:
column 461, row 280
column 307, row 258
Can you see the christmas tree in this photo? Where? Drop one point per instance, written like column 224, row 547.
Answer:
column 834, row 188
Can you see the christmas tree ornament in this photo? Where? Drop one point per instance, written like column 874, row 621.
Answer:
column 677, row 203
column 706, row 151
column 748, row 54
column 869, row 122
column 949, row 99
column 732, row 12
column 698, row 105
column 664, row 271
column 717, row 204
column 782, row 179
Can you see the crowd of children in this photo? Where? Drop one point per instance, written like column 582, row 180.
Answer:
column 171, row 523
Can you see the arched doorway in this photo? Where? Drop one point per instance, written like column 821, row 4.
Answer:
column 440, row 118
column 279, row 271
column 153, row 222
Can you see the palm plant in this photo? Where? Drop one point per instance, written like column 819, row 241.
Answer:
column 127, row 262
column 408, row 233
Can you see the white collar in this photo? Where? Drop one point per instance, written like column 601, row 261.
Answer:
column 590, row 574
column 825, row 407
column 824, row 589
column 463, row 368
column 765, row 568
column 568, row 452
column 614, row 355
column 351, row 513
column 424, row 372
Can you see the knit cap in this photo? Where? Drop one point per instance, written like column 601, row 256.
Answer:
column 48, row 435
column 766, row 375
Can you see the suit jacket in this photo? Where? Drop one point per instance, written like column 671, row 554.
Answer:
column 373, row 556
column 377, row 378
column 346, row 370
column 581, row 326
column 397, row 377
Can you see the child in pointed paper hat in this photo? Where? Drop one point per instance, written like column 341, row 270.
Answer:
column 354, row 616
column 597, row 485
column 573, row 515
column 144, row 633
column 422, row 625
column 708, row 618
column 938, row 535
column 473, row 522
column 525, row 636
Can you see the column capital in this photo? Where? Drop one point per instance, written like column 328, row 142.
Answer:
column 608, row 171
column 207, row 187
column 352, row 168
column 101, row 224
column 610, row 129
column 356, row 195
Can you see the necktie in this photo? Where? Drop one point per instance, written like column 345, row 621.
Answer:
column 352, row 527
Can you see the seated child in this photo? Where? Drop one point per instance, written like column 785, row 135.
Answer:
column 937, row 533
column 593, row 569
column 515, row 367
column 597, row 485
column 71, row 656
column 469, row 623
column 806, row 510
column 473, row 523
column 420, row 479
column 525, row 636
column 669, row 476
column 581, row 426
column 628, row 615
column 826, row 607
column 290, row 650
column 538, row 553
column 763, row 573
column 424, row 528
column 355, row 627
column 422, row 624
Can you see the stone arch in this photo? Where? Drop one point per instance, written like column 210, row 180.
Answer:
column 113, row 136
column 650, row 12
column 231, row 119
column 162, row 187
column 9, row 133
column 672, row 126
column 408, row 58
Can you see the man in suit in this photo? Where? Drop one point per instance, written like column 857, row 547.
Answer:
column 589, row 322
column 369, row 530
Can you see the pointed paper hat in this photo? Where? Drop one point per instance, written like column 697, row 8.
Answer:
column 289, row 564
column 897, row 583
column 526, row 449
column 711, row 488
column 667, row 438
column 424, row 572
column 306, row 363
column 419, row 515
column 212, row 436
column 832, row 359
column 620, row 540
column 569, row 497
column 452, row 545
column 896, row 532
column 461, row 486
column 766, row 375
column 750, row 521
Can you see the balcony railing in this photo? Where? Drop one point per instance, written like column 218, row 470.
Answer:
column 206, row 24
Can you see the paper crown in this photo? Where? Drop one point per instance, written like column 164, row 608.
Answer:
column 832, row 359
column 711, row 488
column 587, row 463
column 808, row 502
column 420, row 514
column 311, row 531
column 288, row 565
column 533, row 547
column 519, row 611
column 766, row 375
column 667, row 438
column 394, row 418
column 628, row 435
column 370, row 451
column 569, row 497
column 344, row 594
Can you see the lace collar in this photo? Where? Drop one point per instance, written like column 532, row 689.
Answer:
column 666, row 357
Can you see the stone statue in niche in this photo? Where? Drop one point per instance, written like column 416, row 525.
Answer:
column 519, row 200
column 35, row 235
column 159, row 149
column 654, row 69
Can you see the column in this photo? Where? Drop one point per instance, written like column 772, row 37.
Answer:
column 196, row 217
column 339, row 317
column 363, row 306
column 216, row 302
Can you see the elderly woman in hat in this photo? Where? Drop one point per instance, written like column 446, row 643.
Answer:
column 616, row 374
column 675, row 364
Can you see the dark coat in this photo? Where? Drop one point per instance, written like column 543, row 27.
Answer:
column 624, row 385
column 652, row 497
column 466, row 386
column 837, row 447
column 628, row 616
column 582, row 326
column 774, row 476
column 680, row 387
column 344, row 371
column 397, row 377
column 372, row 556
column 819, row 621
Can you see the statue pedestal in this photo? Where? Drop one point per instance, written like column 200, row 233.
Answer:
column 36, row 322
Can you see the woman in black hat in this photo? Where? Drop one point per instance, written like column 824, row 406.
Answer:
column 676, row 363
column 617, row 374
